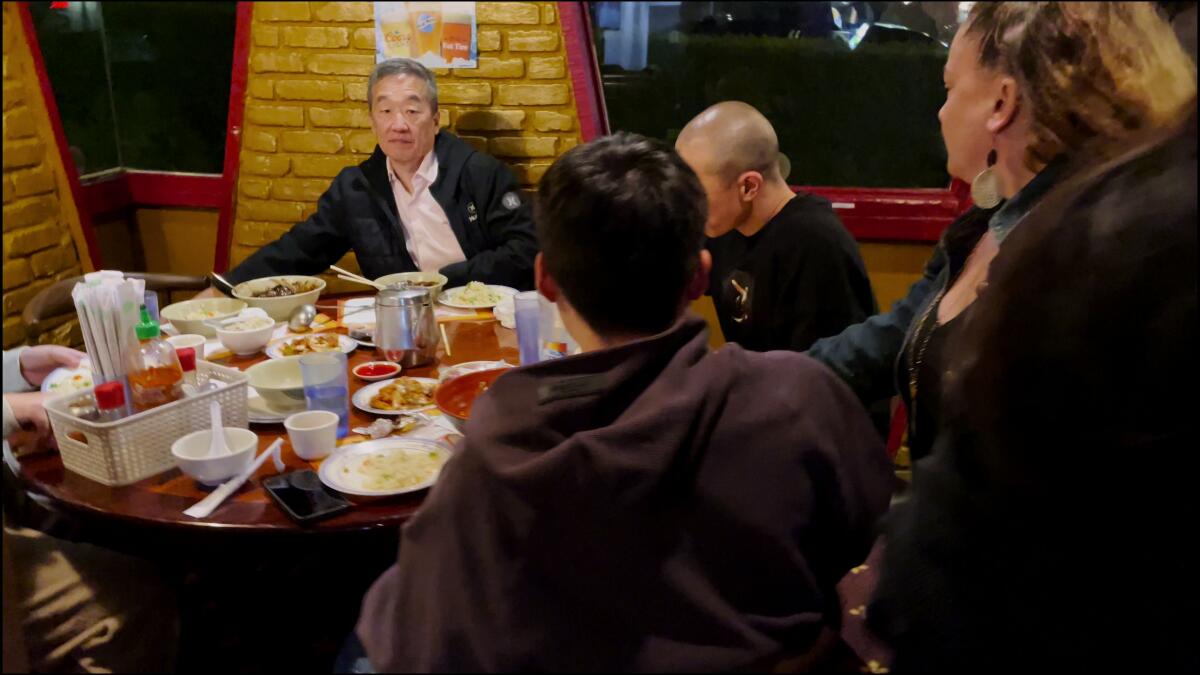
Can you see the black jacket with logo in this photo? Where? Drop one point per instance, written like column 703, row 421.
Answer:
column 479, row 194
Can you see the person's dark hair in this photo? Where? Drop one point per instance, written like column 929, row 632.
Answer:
column 620, row 221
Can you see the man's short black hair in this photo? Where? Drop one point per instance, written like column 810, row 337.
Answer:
column 621, row 225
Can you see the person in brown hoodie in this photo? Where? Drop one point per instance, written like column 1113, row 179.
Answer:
column 646, row 505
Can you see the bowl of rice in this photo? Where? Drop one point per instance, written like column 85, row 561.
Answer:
column 247, row 333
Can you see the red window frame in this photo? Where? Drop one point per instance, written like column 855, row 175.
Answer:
column 871, row 214
column 127, row 188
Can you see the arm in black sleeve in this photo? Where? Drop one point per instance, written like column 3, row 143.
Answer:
column 864, row 355
column 510, row 263
column 309, row 247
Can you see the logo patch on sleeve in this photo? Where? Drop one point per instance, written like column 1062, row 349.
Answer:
column 511, row 201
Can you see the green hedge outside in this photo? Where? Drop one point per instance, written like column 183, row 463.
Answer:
column 863, row 118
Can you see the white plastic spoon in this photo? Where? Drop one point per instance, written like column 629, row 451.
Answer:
column 217, row 446
column 205, row 507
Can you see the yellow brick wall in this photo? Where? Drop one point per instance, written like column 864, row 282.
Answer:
column 41, row 224
column 306, row 110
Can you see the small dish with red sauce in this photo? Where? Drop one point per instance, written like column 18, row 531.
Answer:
column 373, row 371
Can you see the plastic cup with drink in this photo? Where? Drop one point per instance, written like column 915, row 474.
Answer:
column 327, row 386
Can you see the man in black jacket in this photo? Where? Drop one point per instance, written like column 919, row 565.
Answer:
column 424, row 200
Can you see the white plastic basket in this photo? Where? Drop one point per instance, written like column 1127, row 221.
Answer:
column 139, row 446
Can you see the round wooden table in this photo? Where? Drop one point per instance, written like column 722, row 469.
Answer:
column 160, row 500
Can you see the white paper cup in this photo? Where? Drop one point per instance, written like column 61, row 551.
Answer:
column 313, row 433
column 193, row 340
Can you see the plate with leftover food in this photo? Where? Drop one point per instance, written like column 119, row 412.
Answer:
column 68, row 380
column 475, row 295
column 395, row 396
column 308, row 344
column 384, row 467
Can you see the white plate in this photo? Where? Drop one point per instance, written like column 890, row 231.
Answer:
column 333, row 470
column 449, row 297
column 362, row 397
column 62, row 375
column 261, row 412
column 275, row 350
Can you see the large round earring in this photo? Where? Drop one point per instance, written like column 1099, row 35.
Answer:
column 985, row 189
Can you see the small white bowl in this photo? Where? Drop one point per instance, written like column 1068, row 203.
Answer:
column 279, row 381
column 313, row 433
column 279, row 308
column 375, row 378
column 191, row 455
column 246, row 342
column 192, row 340
column 214, row 308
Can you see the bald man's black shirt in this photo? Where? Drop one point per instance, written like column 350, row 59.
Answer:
column 798, row 279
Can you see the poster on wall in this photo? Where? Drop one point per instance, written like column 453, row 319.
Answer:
column 438, row 34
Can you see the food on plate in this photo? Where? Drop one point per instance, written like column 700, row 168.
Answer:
column 282, row 287
column 391, row 469
column 79, row 381
column 476, row 293
column 324, row 342
column 403, row 394
column 253, row 323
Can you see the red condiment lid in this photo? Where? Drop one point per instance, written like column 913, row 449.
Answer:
column 110, row 395
column 187, row 358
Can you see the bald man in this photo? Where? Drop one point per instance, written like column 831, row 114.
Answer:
column 785, row 270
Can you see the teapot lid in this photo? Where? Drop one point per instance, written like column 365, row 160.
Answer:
column 399, row 295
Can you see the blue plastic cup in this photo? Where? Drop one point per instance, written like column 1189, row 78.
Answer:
column 151, row 300
column 327, row 386
column 525, row 306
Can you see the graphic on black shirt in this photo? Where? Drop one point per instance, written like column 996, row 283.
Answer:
column 739, row 295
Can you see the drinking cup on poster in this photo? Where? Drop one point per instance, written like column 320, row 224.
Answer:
column 426, row 21
column 396, row 30
column 456, row 36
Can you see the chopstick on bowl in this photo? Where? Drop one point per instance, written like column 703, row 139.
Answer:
column 351, row 276
column 359, row 280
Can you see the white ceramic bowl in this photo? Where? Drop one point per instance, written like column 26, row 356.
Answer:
column 278, row 308
column 192, row 340
column 278, row 381
column 245, row 342
column 219, row 308
column 424, row 277
column 191, row 452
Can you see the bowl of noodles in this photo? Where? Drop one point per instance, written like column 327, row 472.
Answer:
column 384, row 468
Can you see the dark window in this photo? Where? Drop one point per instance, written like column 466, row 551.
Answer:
column 852, row 88
column 141, row 85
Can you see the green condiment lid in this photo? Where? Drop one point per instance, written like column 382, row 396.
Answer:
column 147, row 328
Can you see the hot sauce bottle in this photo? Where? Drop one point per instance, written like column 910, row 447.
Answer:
column 155, row 376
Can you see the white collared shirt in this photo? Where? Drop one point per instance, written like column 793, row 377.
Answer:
column 427, row 233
